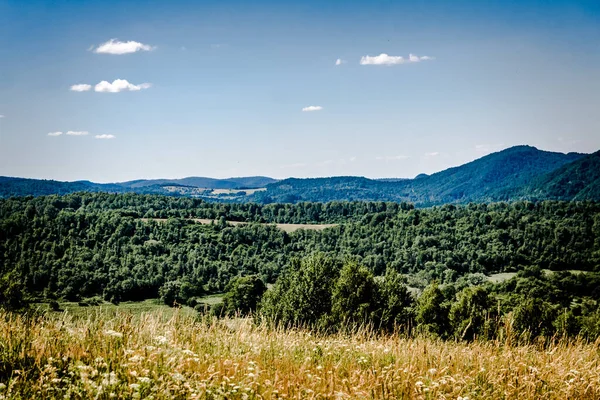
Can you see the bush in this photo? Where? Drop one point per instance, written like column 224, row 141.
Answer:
column 243, row 295
column 54, row 306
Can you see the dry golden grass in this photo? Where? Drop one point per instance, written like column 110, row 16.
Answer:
column 153, row 356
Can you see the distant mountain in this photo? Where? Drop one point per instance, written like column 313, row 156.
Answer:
column 520, row 172
column 492, row 177
column 41, row 187
column 579, row 180
column 251, row 182
column 187, row 186
column 497, row 176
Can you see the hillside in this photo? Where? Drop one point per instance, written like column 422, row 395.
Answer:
column 251, row 182
column 191, row 186
column 579, row 180
column 498, row 176
column 520, row 172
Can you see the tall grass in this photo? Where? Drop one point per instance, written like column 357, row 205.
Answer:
column 153, row 356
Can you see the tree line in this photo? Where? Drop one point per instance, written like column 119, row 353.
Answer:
column 124, row 247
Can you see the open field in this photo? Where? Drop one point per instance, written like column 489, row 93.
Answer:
column 285, row 227
column 247, row 192
column 501, row 277
column 105, row 356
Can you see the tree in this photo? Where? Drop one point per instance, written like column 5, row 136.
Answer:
column 432, row 312
column 534, row 317
column 355, row 296
column 243, row 294
column 11, row 291
column 396, row 302
column 302, row 295
column 471, row 315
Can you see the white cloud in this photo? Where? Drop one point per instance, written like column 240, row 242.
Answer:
column 77, row 133
column 55, row 133
column 119, row 85
column 104, row 136
column 339, row 61
column 81, row 87
column 2, row 116
column 114, row 46
column 432, row 154
column 312, row 108
column 385, row 59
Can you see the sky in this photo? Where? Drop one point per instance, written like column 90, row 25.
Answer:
column 110, row 91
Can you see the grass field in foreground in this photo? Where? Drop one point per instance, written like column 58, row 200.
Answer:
column 117, row 356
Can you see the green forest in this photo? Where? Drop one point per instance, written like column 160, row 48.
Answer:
column 388, row 265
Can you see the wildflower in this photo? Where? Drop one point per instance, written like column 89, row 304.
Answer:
column 112, row 333
column 178, row 377
column 144, row 379
column 161, row 340
column 136, row 358
column 134, row 386
column 189, row 353
column 110, row 379
column 419, row 384
column 432, row 371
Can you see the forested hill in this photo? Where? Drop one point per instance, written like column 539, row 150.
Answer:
column 517, row 173
column 129, row 246
column 192, row 186
column 579, row 180
column 500, row 176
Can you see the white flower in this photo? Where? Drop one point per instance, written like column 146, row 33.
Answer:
column 432, row 371
column 134, row 386
column 110, row 379
column 419, row 384
column 161, row 340
column 178, row 377
column 144, row 379
column 136, row 358
column 112, row 333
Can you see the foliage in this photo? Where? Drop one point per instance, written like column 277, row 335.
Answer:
column 243, row 294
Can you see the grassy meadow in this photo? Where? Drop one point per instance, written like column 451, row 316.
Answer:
column 167, row 353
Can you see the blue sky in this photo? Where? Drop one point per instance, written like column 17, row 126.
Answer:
column 228, row 80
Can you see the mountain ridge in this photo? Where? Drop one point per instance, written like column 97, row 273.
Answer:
column 516, row 173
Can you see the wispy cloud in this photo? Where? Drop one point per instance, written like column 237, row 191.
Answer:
column 2, row 116
column 115, row 46
column 119, row 85
column 77, row 133
column 82, row 87
column 55, row 134
column 432, row 154
column 312, row 108
column 385, row 59
column 391, row 158
column 339, row 61
column 104, row 136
